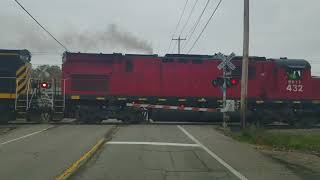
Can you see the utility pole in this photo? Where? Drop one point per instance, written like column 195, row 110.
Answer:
column 179, row 42
column 245, row 62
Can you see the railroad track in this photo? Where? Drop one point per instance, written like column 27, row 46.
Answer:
column 232, row 125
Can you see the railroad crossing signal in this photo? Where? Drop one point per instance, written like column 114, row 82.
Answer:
column 225, row 81
column 229, row 82
column 226, row 61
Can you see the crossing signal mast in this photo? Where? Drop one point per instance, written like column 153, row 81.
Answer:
column 225, row 81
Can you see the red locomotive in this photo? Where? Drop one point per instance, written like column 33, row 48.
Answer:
column 102, row 85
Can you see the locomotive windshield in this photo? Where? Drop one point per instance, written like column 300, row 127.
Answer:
column 294, row 74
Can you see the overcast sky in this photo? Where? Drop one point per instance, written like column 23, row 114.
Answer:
column 286, row 28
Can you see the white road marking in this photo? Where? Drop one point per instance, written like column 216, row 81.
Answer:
column 25, row 136
column 153, row 143
column 226, row 165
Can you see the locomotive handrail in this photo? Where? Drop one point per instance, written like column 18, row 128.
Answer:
column 28, row 87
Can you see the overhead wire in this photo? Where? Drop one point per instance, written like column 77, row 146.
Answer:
column 45, row 53
column 192, row 30
column 189, row 17
column 213, row 13
column 176, row 28
column 43, row 28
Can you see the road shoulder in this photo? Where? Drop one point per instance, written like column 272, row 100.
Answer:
column 243, row 157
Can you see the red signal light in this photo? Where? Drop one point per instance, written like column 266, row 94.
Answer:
column 44, row 85
column 234, row 82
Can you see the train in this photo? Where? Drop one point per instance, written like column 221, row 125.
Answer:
column 137, row 88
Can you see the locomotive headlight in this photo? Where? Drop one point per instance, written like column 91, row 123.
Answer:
column 44, row 85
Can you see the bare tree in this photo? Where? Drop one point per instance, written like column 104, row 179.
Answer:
column 47, row 72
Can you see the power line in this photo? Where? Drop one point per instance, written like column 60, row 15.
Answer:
column 213, row 13
column 45, row 53
column 188, row 19
column 192, row 30
column 41, row 25
column 174, row 32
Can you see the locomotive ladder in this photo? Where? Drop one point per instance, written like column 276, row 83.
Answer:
column 58, row 100
column 22, row 102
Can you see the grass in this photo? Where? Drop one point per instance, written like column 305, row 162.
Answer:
column 284, row 140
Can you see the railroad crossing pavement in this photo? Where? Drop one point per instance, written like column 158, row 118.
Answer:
column 135, row 152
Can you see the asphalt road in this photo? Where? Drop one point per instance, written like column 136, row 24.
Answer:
column 135, row 152
column 47, row 153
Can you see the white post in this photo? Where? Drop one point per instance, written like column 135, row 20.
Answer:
column 64, row 94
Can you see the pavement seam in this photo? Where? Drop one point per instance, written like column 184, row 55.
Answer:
column 212, row 154
column 72, row 169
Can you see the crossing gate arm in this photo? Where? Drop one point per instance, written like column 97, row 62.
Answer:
column 166, row 107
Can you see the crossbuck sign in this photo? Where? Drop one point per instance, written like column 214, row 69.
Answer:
column 226, row 61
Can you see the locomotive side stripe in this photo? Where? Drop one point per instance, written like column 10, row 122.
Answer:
column 22, row 75
column 278, row 102
column 21, row 80
column 316, row 101
column 9, row 54
column 202, row 100
column 21, row 69
column 7, row 95
column 22, row 89
column 122, row 99
column 75, row 97
column 100, row 98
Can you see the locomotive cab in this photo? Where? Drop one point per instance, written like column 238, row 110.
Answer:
column 293, row 80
